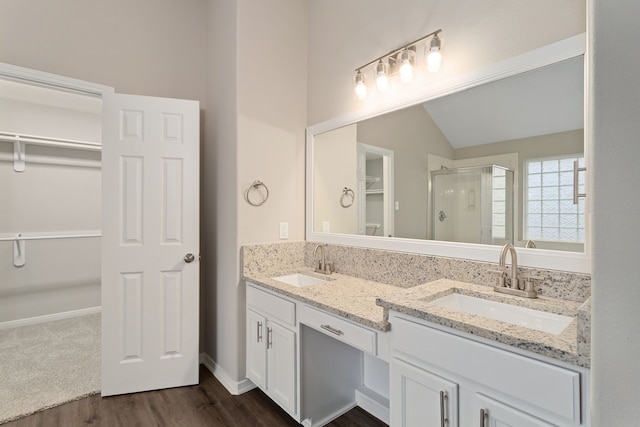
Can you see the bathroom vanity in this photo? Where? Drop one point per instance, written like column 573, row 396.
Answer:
column 405, row 328
column 320, row 349
column 308, row 351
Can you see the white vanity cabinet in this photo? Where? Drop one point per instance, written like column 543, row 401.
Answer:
column 421, row 398
column 493, row 413
column 271, row 346
column 443, row 379
column 315, row 365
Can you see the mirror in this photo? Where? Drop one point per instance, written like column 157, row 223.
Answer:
column 529, row 124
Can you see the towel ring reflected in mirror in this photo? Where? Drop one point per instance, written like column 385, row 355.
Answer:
column 257, row 187
column 347, row 198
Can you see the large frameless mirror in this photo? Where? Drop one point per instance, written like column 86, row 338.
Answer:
column 497, row 162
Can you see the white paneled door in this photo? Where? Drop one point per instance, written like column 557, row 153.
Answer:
column 150, row 243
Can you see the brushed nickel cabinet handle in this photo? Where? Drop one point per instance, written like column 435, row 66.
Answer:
column 332, row 330
column 483, row 418
column 444, row 421
column 269, row 338
column 259, row 331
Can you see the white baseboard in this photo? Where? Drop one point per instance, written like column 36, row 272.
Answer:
column 373, row 403
column 234, row 387
column 50, row 317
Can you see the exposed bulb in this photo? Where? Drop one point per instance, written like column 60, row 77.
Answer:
column 382, row 81
column 406, row 67
column 435, row 57
column 433, row 61
column 361, row 87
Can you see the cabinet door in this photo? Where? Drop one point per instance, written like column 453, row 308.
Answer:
column 492, row 413
column 281, row 366
column 421, row 398
column 256, row 348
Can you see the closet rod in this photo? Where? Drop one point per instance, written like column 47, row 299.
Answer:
column 18, row 237
column 52, row 142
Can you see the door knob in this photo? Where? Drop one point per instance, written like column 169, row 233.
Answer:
column 188, row 258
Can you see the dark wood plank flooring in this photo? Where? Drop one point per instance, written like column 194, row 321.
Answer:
column 206, row 404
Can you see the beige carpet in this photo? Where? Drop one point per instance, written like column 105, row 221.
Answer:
column 48, row 364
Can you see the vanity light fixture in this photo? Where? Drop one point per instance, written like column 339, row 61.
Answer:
column 382, row 80
column 361, row 86
column 406, row 65
column 400, row 61
column 435, row 56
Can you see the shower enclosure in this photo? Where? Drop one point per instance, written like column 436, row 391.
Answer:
column 472, row 205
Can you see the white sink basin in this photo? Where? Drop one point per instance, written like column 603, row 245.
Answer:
column 521, row 316
column 300, row 280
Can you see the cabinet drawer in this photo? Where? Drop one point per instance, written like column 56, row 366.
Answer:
column 340, row 329
column 272, row 306
column 543, row 385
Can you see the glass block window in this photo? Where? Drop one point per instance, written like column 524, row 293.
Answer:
column 549, row 210
column 499, row 213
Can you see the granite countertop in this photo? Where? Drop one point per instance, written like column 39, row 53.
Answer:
column 566, row 346
column 368, row 303
column 346, row 296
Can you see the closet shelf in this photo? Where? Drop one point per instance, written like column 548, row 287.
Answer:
column 19, row 241
column 49, row 236
column 19, row 140
column 48, row 141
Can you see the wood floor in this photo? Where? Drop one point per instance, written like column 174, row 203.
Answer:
column 207, row 404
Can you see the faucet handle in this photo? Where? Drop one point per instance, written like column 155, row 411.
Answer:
column 529, row 282
column 501, row 272
column 328, row 268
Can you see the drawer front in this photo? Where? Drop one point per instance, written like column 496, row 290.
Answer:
column 271, row 305
column 340, row 329
column 543, row 385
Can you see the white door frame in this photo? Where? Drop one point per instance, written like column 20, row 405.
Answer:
column 54, row 81
column 387, row 185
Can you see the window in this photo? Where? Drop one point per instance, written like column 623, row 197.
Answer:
column 499, row 197
column 550, row 213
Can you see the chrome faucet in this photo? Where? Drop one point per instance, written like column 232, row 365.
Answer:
column 323, row 266
column 511, row 285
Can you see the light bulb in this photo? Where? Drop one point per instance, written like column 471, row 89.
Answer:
column 433, row 61
column 406, row 67
column 361, row 87
column 382, row 81
column 435, row 57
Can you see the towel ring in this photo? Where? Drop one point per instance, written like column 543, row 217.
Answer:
column 347, row 198
column 256, row 186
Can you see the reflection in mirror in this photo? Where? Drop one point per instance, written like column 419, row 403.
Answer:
column 529, row 126
column 375, row 191
column 472, row 204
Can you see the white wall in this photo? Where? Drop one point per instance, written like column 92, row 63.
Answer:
column 614, row 152
column 345, row 35
column 257, row 127
column 145, row 47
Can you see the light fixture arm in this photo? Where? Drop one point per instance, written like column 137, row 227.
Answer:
column 395, row 51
